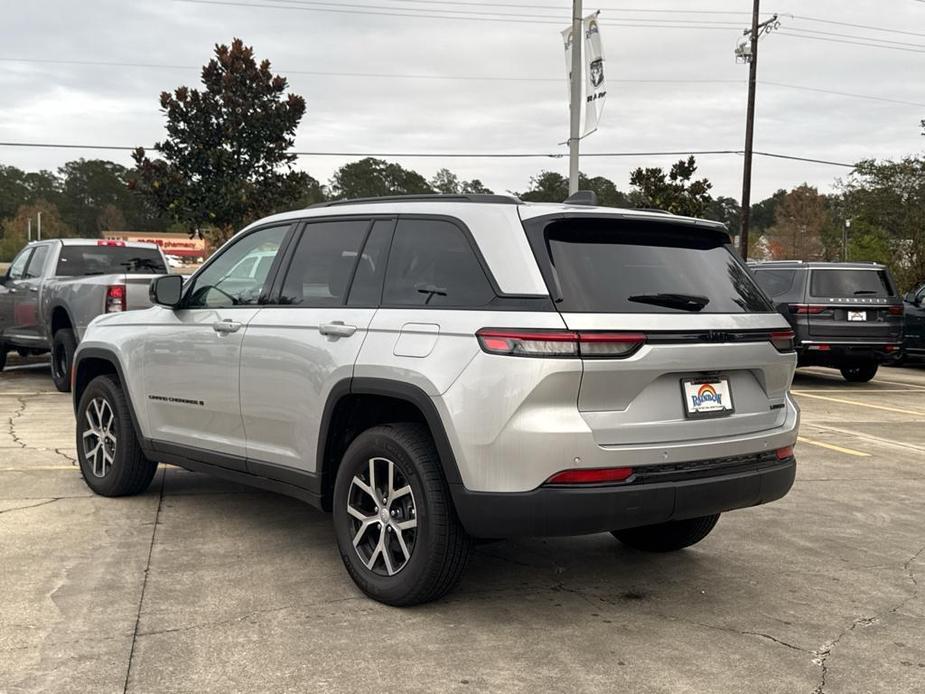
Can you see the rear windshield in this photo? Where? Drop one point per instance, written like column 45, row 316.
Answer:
column 615, row 266
column 841, row 283
column 80, row 261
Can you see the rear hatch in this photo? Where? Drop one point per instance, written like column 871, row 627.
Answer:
column 853, row 304
column 706, row 354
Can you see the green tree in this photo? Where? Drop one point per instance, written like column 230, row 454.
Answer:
column 475, row 187
column 372, row 178
column 885, row 201
column 445, row 181
column 549, row 186
column 725, row 210
column 762, row 213
column 226, row 159
column 674, row 192
column 19, row 188
column 15, row 229
column 801, row 221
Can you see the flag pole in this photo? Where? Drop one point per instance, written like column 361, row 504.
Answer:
column 575, row 102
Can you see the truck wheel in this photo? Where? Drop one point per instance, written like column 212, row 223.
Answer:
column 111, row 461
column 396, row 527
column 2, row 357
column 63, row 347
column 667, row 537
column 859, row 372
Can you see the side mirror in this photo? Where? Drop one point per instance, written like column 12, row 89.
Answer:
column 166, row 290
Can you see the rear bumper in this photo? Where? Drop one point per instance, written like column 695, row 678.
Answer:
column 550, row 511
column 822, row 351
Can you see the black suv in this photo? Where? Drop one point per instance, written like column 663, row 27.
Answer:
column 847, row 316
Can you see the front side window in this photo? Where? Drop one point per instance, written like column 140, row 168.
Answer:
column 323, row 263
column 432, row 264
column 18, row 267
column 223, row 284
column 37, row 263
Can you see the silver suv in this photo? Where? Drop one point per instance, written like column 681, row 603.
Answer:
column 439, row 369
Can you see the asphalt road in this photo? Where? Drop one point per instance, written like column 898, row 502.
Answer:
column 203, row 586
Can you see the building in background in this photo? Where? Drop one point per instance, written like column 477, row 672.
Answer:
column 180, row 245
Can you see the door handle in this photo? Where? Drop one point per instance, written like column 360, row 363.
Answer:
column 34, row 290
column 337, row 329
column 223, row 327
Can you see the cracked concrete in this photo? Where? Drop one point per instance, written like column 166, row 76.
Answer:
column 201, row 585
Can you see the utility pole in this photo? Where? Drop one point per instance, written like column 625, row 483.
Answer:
column 29, row 230
column 749, row 53
column 844, row 240
column 575, row 101
column 39, row 215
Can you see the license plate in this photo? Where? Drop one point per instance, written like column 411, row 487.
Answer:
column 707, row 397
column 857, row 315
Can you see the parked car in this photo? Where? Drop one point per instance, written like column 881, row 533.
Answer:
column 914, row 324
column 437, row 369
column 847, row 316
column 53, row 289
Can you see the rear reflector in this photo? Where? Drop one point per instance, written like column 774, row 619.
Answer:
column 783, row 340
column 819, row 348
column 115, row 298
column 804, row 309
column 591, row 476
column 558, row 343
column 784, row 453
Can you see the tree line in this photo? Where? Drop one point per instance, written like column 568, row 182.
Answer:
column 227, row 160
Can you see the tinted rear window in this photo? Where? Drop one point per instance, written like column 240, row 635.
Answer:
column 614, row 266
column 842, row 283
column 775, row 282
column 79, row 261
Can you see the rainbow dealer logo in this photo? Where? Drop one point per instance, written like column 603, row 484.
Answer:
column 707, row 394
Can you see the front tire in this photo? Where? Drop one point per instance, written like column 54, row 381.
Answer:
column 860, row 372
column 63, row 346
column 668, row 537
column 111, row 460
column 397, row 530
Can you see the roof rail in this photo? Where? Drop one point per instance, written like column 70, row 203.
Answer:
column 653, row 209
column 427, row 197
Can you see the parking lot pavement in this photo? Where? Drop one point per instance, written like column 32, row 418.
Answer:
column 200, row 585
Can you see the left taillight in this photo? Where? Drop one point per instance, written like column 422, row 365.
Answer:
column 559, row 343
column 783, row 340
column 115, row 298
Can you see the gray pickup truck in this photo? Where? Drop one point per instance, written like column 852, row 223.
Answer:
column 53, row 289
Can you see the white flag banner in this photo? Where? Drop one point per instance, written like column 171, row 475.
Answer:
column 593, row 86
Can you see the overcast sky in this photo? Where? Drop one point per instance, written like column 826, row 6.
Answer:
column 681, row 88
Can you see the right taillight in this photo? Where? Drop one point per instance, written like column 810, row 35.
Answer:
column 806, row 309
column 783, row 340
column 559, row 343
column 896, row 310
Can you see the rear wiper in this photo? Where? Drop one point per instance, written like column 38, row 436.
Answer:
column 864, row 291
column 685, row 302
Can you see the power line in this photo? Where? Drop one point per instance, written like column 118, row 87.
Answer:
column 461, row 155
column 852, row 43
column 855, row 26
column 471, row 78
column 859, row 38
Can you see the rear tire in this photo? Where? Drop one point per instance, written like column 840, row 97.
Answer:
column 63, row 346
column 111, row 460
column 860, row 372
column 2, row 357
column 403, row 548
column 667, row 537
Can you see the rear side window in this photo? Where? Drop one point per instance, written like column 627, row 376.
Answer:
column 775, row 282
column 432, row 264
column 84, row 260
column 842, row 283
column 367, row 281
column 619, row 266
column 323, row 263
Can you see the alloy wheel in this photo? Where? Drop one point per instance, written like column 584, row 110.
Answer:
column 99, row 441
column 383, row 519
